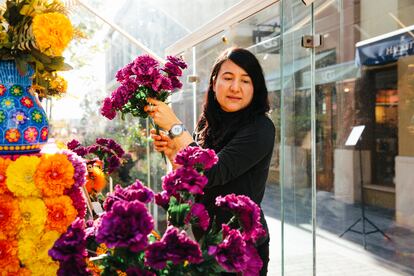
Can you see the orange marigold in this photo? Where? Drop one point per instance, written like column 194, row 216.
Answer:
column 54, row 174
column 9, row 216
column 4, row 163
column 95, row 180
column 9, row 262
column 94, row 268
column 60, row 213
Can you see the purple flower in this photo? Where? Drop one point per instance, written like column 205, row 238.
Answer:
column 135, row 271
column 70, row 244
column 136, row 191
column 175, row 83
column 144, row 65
column 113, row 163
column 115, row 147
column 184, row 179
column 247, row 212
column 199, row 214
column 162, row 199
column 73, row 266
column 73, row 144
column 131, row 84
column 120, row 97
column 79, row 165
column 254, row 263
column 127, row 224
column 177, row 61
column 102, row 141
column 124, row 73
column 19, row 117
column 172, row 69
column 174, row 246
column 231, row 252
column 93, row 149
column 196, row 156
column 107, row 109
column 165, row 84
column 81, row 151
column 78, row 200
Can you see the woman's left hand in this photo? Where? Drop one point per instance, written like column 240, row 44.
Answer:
column 161, row 113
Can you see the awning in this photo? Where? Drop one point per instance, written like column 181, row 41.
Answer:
column 385, row 48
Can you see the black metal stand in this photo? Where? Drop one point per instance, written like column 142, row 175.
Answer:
column 363, row 218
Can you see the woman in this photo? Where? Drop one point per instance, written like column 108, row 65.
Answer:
column 233, row 123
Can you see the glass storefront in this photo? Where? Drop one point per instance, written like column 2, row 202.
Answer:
column 361, row 74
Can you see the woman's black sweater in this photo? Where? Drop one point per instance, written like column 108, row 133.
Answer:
column 242, row 168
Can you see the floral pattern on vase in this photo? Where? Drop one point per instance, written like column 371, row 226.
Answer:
column 23, row 122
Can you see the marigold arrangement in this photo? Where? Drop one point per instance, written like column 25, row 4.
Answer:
column 40, row 196
column 103, row 158
column 123, row 241
column 35, row 33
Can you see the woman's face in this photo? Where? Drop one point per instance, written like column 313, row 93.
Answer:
column 233, row 87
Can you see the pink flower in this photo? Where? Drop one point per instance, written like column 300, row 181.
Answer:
column 30, row 134
column 231, row 252
column 246, row 211
column 199, row 215
column 174, row 246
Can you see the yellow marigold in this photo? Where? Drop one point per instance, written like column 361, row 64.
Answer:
column 36, row 250
column 9, row 216
column 27, row 250
column 20, row 176
column 33, row 217
column 9, row 263
column 60, row 213
column 54, row 174
column 59, row 84
column 45, row 243
column 4, row 163
column 44, row 268
column 53, row 32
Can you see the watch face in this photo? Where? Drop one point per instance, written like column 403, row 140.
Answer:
column 176, row 130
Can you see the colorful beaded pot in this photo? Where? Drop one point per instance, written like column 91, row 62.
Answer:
column 23, row 123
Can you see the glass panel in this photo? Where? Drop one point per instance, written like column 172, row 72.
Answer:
column 367, row 79
column 296, row 141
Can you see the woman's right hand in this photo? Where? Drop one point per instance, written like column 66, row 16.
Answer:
column 163, row 143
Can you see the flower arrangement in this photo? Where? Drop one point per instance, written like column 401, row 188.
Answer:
column 40, row 196
column 139, row 80
column 35, row 33
column 108, row 159
column 123, row 240
column 107, row 150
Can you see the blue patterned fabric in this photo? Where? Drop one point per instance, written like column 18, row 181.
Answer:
column 23, row 122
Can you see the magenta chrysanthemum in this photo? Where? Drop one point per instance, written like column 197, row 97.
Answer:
column 196, row 157
column 136, row 191
column 184, row 179
column 246, row 211
column 174, row 246
column 127, row 224
column 199, row 216
column 231, row 252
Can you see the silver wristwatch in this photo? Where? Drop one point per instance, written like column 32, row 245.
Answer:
column 176, row 130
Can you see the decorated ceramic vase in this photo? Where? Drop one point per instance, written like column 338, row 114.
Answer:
column 23, row 122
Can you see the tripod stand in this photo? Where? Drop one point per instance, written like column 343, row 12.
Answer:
column 363, row 218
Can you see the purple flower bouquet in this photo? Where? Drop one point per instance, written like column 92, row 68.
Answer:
column 123, row 240
column 139, row 80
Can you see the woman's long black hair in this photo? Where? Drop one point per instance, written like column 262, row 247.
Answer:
column 213, row 131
